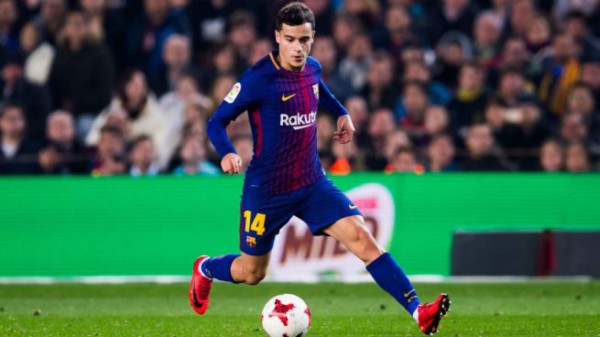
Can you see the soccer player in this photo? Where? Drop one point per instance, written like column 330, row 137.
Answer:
column 282, row 93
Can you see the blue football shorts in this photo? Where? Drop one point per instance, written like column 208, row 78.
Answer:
column 320, row 205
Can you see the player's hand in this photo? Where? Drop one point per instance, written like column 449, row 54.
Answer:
column 231, row 163
column 345, row 129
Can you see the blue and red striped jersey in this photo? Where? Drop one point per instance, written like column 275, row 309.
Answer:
column 282, row 107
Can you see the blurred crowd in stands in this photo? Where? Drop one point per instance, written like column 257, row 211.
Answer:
column 109, row 87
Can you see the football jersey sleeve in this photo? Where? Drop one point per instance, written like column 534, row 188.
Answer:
column 329, row 101
column 242, row 96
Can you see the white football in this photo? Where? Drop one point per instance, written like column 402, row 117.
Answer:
column 286, row 316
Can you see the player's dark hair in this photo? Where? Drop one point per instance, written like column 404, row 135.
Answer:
column 294, row 14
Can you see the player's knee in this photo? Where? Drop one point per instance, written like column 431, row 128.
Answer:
column 253, row 277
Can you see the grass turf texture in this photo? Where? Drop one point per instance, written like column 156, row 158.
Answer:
column 517, row 309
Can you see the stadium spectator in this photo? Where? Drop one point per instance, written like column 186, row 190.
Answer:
column 346, row 158
column 502, row 9
column 482, row 155
column 522, row 13
column 209, row 21
column 416, row 53
column 262, row 47
column 224, row 61
column 576, row 158
column 574, row 23
column 109, row 158
column 143, row 114
column 395, row 139
column 49, row 20
column 39, row 55
column 468, row 104
column 242, row 32
column 532, row 132
column 193, row 156
column 405, row 160
column 440, row 154
column 325, row 52
column 453, row 15
column 366, row 11
column 590, row 75
column 538, row 37
column 186, row 91
column 561, row 70
column 81, row 77
column 552, row 156
column 356, row 65
column 573, row 128
column 9, row 35
column 110, row 26
column 143, row 157
column 18, row 154
column 325, row 130
column 563, row 8
column 413, row 105
column 580, row 100
column 173, row 106
column 33, row 99
column 435, row 122
column 148, row 33
column 502, row 123
column 380, row 90
column 418, row 71
column 487, row 35
column 195, row 115
column 381, row 122
column 324, row 15
column 512, row 88
column 491, row 66
column 396, row 31
column 177, row 58
column 345, row 28
column 514, row 56
column 453, row 50
column 63, row 154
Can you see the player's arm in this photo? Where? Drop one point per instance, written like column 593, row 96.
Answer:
column 239, row 99
column 345, row 127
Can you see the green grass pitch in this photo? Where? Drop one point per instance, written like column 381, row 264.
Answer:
column 515, row 309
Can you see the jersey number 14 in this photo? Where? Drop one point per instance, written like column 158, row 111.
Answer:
column 257, row 225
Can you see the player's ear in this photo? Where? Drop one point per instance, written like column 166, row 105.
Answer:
column 277, row 36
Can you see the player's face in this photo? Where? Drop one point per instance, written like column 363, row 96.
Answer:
column 294, row 45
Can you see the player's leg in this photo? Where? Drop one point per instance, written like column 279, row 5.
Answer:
column 330, row 211
column 351, row 232
column 233, row 268
column 260, row 221
column 250, row 269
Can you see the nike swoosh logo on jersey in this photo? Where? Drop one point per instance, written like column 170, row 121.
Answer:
column 352, row 206
column 408, row 293
column 287, row 98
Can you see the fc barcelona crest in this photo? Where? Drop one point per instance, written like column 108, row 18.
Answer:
column 316, row 90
